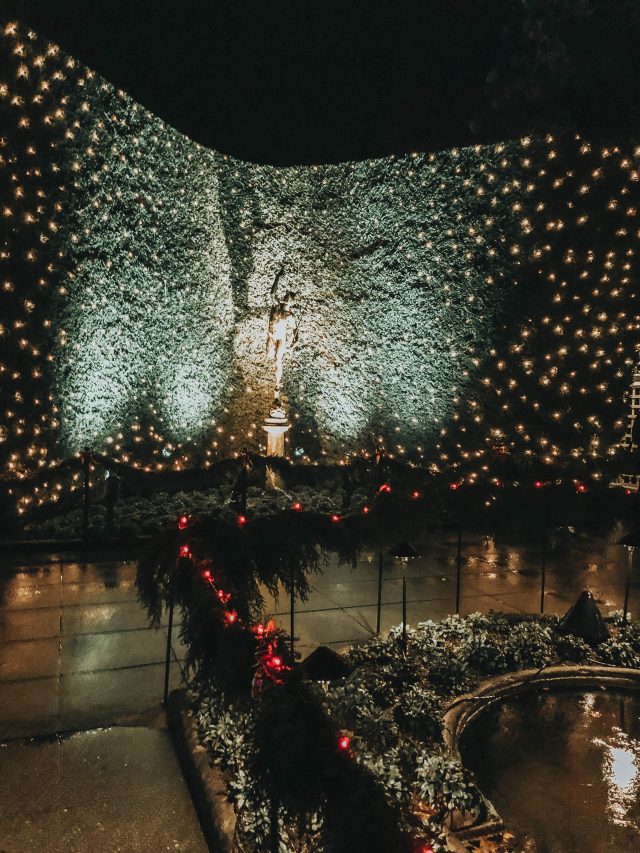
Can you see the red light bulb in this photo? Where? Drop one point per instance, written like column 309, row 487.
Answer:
column 335, row 518
column 184, row 551
column 183, row 521
column 454, row 486
column 415, row 495
column 344, row 742
column 242, row 519
column 365, row 509
column 297, row 506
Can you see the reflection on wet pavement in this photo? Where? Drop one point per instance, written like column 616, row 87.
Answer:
column 76, row 649
column 341, row 608
column 562, row 769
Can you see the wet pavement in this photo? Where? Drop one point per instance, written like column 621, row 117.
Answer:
column 117, row 789
column 562, row 769
column 342, row 609
column 76, row 649
column 77, row 652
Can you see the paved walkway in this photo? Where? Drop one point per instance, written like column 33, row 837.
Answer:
column 342, row 608
column 76, row 652
column 100, row 791
column 76, row 649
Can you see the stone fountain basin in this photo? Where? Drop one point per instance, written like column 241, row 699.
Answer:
column 462, row 711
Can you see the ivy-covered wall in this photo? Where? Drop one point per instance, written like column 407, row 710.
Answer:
column 471, row 308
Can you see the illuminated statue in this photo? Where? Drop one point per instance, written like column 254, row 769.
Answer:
column 283, row 328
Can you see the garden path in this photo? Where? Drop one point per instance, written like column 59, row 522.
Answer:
column 76, row 649
column 76, row 653
column 341, row 608
column 117, row 789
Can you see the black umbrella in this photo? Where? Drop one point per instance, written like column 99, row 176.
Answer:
column 325, row 664
column 584, row 620
column 403, row 551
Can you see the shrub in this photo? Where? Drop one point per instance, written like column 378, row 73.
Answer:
column 619, row 653
column 399, row 676
column 446, row 786
column 378, row 731
column 449, row 673
column 630, row 633
column 378, row 650
column 572, row 648
column 492, row 622
column 487, row 654
column 616, row 617
column 529, row 644
column 353, row 702
column 418, row 713
column 452, row 629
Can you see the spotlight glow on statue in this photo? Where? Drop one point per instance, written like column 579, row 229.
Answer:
column 282, row 337
column 283, row 329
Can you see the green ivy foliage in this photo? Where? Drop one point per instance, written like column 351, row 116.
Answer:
column 472, row 309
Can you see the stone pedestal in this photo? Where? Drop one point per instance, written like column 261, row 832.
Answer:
column 276, row 427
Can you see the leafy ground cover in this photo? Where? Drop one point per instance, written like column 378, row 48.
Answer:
column 381, row 729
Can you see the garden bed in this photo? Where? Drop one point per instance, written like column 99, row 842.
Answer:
column 362, row 766
column 136, row 516
column 517, row 511
column 396, row 711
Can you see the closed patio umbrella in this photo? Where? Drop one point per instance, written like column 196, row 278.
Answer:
column 584, row 620
column 325, row 664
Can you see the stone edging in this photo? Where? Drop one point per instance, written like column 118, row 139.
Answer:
column 463, row 710
column 206, row 784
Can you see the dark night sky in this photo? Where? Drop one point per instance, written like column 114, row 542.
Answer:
column 295, row 81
